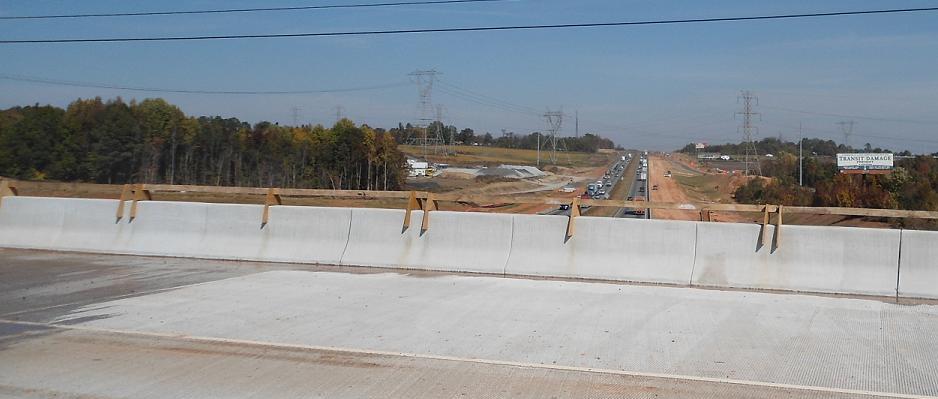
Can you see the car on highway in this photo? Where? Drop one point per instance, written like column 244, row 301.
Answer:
column 564, row 207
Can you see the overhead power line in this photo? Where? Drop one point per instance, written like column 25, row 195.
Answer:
column 800, row 111
column 245, row 10
column 467, row 29
column 57, row 82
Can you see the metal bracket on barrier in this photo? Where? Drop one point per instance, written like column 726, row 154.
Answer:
column 412, row 204
column 765, row 225
column 778, row 227
column 140, row 194
column 574, row 212
column 126, row 194
column 429, row 204
column 705, row 215
column 273, row 198
column 7, row 189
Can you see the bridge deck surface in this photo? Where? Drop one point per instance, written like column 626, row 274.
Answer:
column 122, row 326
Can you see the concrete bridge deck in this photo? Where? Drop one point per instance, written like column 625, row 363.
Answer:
column 81, row 325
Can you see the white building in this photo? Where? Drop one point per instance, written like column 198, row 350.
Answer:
column 417, row 168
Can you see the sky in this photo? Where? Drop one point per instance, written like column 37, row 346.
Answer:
column 646, row 87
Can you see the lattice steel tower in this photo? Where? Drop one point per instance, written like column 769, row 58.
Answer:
column 425, row 112
column 751, row 156
column 554, row 123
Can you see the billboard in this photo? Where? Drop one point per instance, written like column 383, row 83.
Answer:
column 864, row 163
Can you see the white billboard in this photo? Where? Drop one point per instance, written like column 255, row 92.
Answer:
column 864, row 162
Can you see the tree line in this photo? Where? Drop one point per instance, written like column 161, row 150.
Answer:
column 773, row 145
column 589, row 142
column 912, row 185
column 153, row 141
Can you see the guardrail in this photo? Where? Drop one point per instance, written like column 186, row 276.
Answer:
column 428, row 202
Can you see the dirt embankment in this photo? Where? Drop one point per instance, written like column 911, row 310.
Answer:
column 668, row 190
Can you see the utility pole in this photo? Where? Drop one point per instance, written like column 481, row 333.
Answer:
column 800, row 155
column 847, row 128
column 538, row 149
column 577, row 124
column 172, row 159
column 751, row 155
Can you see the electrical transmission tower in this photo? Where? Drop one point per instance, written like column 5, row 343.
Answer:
column 425, row 113
column 295, row 112
column 339, row 111
column 440, row 132
column 554, row 123
column 751, row 157
column 847, row 128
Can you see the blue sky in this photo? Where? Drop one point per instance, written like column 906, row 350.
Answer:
column 654, row 87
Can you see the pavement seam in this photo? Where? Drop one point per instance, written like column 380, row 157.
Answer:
column 555, row 367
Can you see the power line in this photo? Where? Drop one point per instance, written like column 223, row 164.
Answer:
column 921, row 122
column 832, row 132
column 482, row 99
column 244, row 10
column 56, row 82
column 466, row 29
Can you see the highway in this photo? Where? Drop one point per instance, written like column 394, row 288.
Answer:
column 615, row 179
column 638, row 188
column 105, row 326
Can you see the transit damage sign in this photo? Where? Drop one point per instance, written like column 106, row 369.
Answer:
column 865, row 163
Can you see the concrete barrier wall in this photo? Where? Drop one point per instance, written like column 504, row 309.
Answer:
column 166, row 228
column 818, row 259
column 603, row 248
column 455, row 241
column 90, row 225
column 918, row 264
column 31, row 222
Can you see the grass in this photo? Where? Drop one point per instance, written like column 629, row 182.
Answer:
column 483, row 155
column 708, row 188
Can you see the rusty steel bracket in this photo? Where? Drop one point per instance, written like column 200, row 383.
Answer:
column 412, row 204
column 272, row 198
column 429, row 204
column 7, row 189
column 778, row 227
column 574, row 212
column 126, row 194
column 765, row 225
column 140, row 194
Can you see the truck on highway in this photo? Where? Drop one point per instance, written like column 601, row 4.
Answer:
column 639, row 211
column 643, row 176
